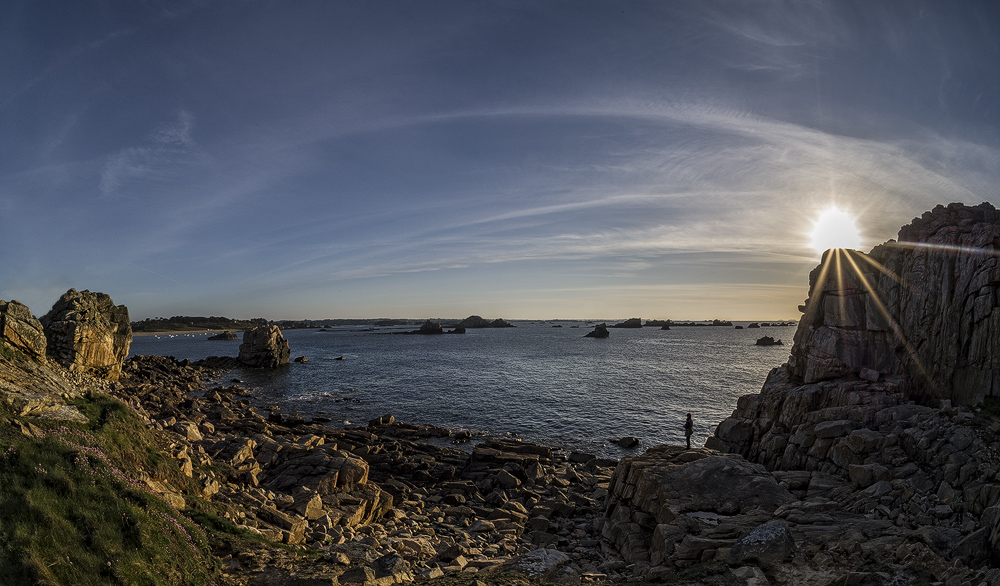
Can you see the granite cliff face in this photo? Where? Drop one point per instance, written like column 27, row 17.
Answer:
column 924, row 307
column 88, row 333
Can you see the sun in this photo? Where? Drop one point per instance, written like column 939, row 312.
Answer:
column 835, row 229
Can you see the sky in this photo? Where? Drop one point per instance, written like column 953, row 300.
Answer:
column 525, row 160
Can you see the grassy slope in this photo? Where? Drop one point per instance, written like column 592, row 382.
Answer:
column 72, row 510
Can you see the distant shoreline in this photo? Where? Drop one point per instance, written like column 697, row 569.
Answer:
column 179, row 332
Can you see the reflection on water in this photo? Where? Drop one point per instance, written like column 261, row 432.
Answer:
column 544, row 384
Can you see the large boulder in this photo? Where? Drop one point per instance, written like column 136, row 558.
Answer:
column 88, row 333
column 658, row 503
column 20, row 330
column 264, row 347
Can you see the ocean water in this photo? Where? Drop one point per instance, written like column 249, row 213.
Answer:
column 535, row 381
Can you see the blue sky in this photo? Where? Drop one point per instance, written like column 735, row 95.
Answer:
column 519, row 159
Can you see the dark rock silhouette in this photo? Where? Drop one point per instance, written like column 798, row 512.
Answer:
column 226, row 335
column 767, row 341
column 475, row 321
column 600, row 331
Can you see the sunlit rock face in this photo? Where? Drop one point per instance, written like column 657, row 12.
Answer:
column 88, row 333
column 20, row 329
column 924, row 307
column 264, row 347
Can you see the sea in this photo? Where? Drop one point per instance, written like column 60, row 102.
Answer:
column 539, row 381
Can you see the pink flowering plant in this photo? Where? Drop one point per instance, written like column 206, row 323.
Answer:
column 75, row 510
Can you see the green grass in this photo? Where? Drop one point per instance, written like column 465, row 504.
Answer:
column 72, row 510
column 12, row 353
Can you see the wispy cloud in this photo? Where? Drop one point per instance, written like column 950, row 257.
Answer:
column 168, row 146
column 61, row 62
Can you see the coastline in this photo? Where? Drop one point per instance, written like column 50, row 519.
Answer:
column 179, row 332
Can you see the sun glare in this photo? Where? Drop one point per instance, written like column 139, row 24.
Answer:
column 835, row 229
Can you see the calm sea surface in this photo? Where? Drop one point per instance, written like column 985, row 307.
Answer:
column 542, row 383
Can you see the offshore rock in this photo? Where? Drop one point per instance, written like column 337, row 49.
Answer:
column 264, row 347
column 20, row 330
column 430, row 328
column 475, row 321
column 600, row 331
column 226, row 335
column 88, row 333
column 633, row 322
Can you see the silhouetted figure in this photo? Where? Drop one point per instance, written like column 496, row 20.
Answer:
column 688, row 430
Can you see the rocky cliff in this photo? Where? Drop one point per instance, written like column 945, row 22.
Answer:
column 924, row 306
column 88, row 333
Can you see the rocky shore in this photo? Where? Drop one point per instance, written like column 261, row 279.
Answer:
column 380, row 505
column 869, row 458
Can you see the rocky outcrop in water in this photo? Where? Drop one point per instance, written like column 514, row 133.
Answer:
column 633, row 322
column 20, row 330
column 475, row 321
column 600, row 331
column 88, row 333
column 226, row 335
column 264, row 347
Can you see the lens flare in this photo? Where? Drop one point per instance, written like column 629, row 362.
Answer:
column 835, row 229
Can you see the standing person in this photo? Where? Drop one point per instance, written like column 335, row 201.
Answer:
column 688, row 430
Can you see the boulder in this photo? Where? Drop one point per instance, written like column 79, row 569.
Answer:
column 541, row 563
column 20, row 330
column 264, row 347
column 634, row 322
column 653, row 497
column 628, row 442
column 88, row 333
column 769, row 543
